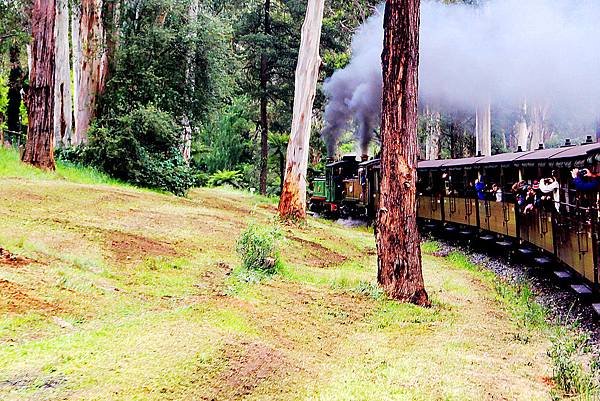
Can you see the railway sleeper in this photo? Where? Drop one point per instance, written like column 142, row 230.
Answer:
column 583, row 291
column 596, row 311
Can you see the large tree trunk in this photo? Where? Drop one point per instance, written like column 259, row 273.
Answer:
column 15, row 84
column 483, row 130
column 62, row 87
column 398, row 239
column 89, row 64
column 264, row 118
column 292, row 204
column 40, row 136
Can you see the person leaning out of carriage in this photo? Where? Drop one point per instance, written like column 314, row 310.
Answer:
column 585, row 180
column 550, row 189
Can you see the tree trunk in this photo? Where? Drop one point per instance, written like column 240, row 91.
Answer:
column 15, row 84
column 186, row 135
column 398, row 239
column 281, row 156
column 522, row 132
column 483, row 130
column 89, row 64
column 264, row 118
column 292, row 204
column 62, row 87
column 434, row 133
column 40, row 136
column 538, row 125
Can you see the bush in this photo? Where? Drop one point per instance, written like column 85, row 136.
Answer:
column 259, row 249
column 141, row 147
column 226, row 177
column 576, row 371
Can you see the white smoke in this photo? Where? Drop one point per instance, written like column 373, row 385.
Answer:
column 542, row 51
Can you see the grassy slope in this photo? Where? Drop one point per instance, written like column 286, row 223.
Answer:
column 128, row 295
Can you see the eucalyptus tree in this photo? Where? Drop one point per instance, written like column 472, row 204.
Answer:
column 39, row 149
column 398, row 240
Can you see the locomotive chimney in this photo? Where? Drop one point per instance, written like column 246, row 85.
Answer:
column 589, row 140
column 330, row 159
column 519, row 149
column 479, row 154
column 364, row 158
column 540, row 146
column 567, row 143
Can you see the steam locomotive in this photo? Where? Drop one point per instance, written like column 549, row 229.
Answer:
column 567, row 231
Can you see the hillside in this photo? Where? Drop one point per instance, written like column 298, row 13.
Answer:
column 115, row 293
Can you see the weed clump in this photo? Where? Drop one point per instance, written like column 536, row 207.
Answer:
column 371, row 290
column 576, row 371
column 258, row 247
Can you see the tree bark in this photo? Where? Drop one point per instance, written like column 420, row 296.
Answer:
column 292, row 204
column 398, row 239
column 40, row 136
column 264, row 118
column 483, row 130
column 62, row 87
column 89, row 64
column 15, row 84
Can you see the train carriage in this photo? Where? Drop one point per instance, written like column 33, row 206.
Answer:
column 447, row 193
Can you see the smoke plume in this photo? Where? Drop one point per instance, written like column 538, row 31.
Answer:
column 542, row 51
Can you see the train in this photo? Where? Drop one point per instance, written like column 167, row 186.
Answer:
column 450, row 199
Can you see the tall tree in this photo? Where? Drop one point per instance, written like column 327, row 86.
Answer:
column 62, row 86
column 15, row 84
column 398, row 239
column 264, row 103
column 89, row 64
column 483, row 129
column 293, row 197
column 40, row 136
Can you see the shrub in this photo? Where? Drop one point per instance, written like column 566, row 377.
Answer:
column 224, row 177
column 576, row 371
column 141, row 147
column 259, row 249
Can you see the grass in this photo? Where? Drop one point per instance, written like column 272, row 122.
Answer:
column 137, row 295
column 11, row 167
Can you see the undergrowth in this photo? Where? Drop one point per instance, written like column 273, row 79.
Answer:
column 11, row 166
column 258, row 247
column 576, row 369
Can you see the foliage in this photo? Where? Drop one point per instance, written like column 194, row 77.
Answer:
column 154, row 34
column 576, row 372
column 225, row 177
column 140, row 147
column 258, row 247
column 225, row 142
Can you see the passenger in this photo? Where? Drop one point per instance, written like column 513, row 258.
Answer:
column 550, row 193
column 448, row 190
column 496, row 192
column 480, row 188
column 585, row 180
column 530, row 201
column 519, row 190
